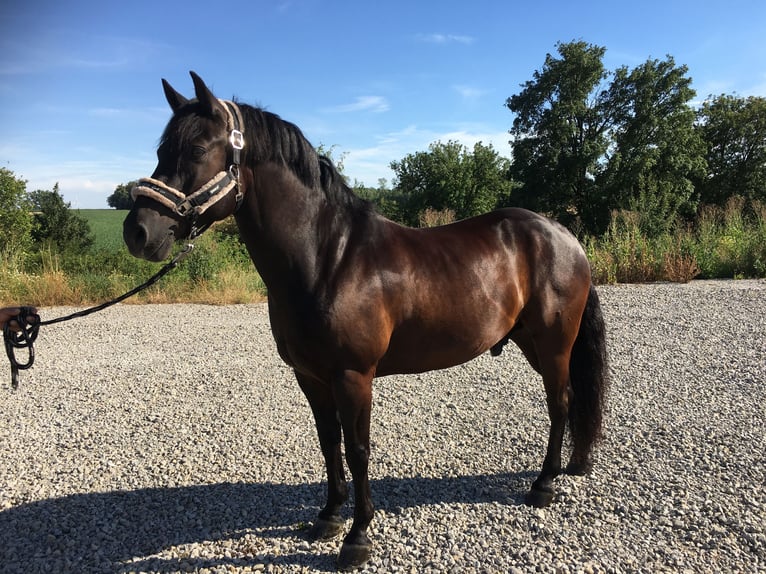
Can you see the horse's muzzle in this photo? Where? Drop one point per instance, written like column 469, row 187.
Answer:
column 142, row 243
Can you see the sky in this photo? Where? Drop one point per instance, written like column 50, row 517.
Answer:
column 81, row 102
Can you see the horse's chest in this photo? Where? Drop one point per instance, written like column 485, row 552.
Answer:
column 323, row 344
column 301, row 343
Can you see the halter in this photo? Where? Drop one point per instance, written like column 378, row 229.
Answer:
column 195, row 204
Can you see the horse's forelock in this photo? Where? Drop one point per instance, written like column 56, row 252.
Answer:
column 182, row 129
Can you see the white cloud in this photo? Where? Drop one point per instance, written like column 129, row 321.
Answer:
column 446, row 39
column 60, row 50
column 469, row 92
column 757, row 90
column 374, row 104
column 107, row 112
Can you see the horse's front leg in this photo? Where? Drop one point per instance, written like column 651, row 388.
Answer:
column 329, row 523
column 353, row 394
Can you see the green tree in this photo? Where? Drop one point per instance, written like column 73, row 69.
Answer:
column 559, row 134
column 655, row 150
column 734, row 132
column 587, row 141
column 121, row 198
column 15, row 216
column 449, row 176
column 57, row 224
column 387, row 201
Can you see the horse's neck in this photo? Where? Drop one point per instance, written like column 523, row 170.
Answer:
column 281, row 223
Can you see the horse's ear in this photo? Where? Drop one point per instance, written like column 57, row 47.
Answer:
column 205, row 97
column 176, row 100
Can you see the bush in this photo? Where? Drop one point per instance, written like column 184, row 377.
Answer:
column 724, row 243
column 15, row 219
column 217, row 271
column 731, row 241
column 57, row 224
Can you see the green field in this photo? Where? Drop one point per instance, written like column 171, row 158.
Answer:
column 106, row 227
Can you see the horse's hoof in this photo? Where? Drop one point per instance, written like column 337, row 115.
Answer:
column 353, row 555
column 326, row 528
column 540, row 498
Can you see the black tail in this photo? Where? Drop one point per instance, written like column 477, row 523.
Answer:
column 589, row 376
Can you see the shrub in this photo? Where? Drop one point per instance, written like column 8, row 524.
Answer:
column 731, row 240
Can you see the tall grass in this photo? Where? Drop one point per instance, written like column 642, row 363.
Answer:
column 723, row 243
column 218, row 271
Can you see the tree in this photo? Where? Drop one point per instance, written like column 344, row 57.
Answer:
column 449, row 176
column 15, row 215
column 121, row 198
column 57, row 224
column 559, row 132
column 655, row 150
column 387, row 202
column 734, row 132
column 585, row 145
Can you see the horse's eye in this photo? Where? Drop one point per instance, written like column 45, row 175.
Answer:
column 198, row 152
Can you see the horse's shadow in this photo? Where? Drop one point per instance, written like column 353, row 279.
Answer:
column 120, row 531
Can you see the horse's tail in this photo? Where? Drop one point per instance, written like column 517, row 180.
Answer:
column 589, row 376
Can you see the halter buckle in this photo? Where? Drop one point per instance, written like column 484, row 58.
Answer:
column 237, row 139
column 184, row 208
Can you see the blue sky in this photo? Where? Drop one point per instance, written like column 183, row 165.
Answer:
column 81, row 102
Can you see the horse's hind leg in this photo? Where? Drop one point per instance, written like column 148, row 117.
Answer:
column 555, row 371
column 329, row 522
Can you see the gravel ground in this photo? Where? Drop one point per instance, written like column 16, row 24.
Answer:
column 170, row 438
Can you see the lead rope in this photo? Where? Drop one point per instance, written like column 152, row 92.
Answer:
column 23, row 335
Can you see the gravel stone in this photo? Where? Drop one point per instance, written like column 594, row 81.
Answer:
column 171, row 438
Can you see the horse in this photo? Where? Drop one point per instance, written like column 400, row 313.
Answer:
column 353, row 296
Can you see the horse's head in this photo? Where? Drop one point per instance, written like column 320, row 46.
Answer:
column 196, row 181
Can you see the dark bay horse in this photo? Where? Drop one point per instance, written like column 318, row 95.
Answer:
column 353, row 295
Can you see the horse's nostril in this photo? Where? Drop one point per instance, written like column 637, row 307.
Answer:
column 135, row 235
column 141, row 234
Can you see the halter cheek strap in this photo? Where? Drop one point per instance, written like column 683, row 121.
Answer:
column 195, row 204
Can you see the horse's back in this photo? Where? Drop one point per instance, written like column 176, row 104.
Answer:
column 454, row 291
column 528, row 249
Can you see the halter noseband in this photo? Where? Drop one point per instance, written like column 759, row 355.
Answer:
column 195, row 204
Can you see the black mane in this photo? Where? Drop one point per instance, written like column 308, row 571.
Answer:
column 270, row 138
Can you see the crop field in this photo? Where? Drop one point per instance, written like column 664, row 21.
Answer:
column 106, row 227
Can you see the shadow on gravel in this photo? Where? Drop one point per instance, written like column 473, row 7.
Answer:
column 102, row 532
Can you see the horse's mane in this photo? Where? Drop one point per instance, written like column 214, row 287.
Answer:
column 270, row 138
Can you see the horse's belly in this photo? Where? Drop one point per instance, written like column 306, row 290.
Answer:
column 398, row 365
column 431, row 350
